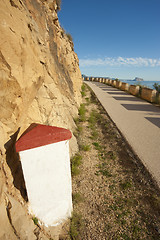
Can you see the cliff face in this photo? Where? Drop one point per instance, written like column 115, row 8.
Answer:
column 40, row 82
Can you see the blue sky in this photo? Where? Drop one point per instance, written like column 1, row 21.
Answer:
column 115, row 38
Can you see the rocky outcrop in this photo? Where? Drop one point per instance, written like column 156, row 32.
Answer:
column 138, row 79
column 40, row 82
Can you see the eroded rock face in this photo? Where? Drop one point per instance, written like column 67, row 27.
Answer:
column 39, row 74
column 40, row 82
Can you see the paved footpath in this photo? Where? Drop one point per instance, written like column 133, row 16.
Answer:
column 138, row 121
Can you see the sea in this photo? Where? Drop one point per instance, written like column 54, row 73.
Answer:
column 148, row 84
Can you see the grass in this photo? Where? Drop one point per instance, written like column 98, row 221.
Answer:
column 77, row 198
column 87, row 100
column 85, row 147
column 35, row 220
column 94, row 135
column 97, row 146
column 76, row 226
column 111, row 155
column 105, row 172
column 125, row 185
column 92, row 118
column 75, row 163
column 93, row 121
column 95, row 117
column 82, row 113
column 83, row 90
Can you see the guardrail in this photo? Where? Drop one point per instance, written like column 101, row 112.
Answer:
column 134, row 90
column 147, row 94
column 124, row 86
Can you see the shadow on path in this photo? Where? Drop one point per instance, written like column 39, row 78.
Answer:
column 155, row 121
column 140, row 105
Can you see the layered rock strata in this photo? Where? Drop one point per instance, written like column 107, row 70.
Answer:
column 40, row 82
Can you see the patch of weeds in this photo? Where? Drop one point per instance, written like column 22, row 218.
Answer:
column 75, row 162
column 111, row 134
column 87, row 100
column 122, row 214
column 121, row 202
column 58, row 2
column 107, row 227
column 154, row 200
column 136, row 230
column 104, row 171
column 125, row 236
column 106, row 126
column 69, row 36
column 83, row 94
column 112, row 187
column 35, row 220
column 75, row 170
column 85, row 147
column 114, row 207
column 92, row 118
column 94, row 135
column 83, row 88
column 123, row 222
column 111, row 155
column 76, row 120
column 130, row 202
column 82, row 113
column 119, row 205
column 126, row 185
column 97, row 146
column 78, row 130
column 77, row 198
column 76, row 226
column 101, row 155
column 97, row 173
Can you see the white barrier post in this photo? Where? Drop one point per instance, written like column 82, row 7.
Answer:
column 44, row 155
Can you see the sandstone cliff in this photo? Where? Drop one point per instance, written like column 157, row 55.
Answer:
column 40, row 82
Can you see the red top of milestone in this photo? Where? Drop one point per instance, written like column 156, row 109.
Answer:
column 38, row 135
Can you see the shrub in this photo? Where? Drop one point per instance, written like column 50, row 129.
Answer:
column 83, row 88
column 75, row 162
column 85, row 148
column 76, row 226
column 157, row 87
column 35, row 220
column 69, row 37
column 82, row 113
column 77, row 197
column 58, row 2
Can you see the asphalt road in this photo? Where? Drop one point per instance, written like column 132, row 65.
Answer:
column 138, row 121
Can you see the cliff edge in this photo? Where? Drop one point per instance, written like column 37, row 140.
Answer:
column 40, row 82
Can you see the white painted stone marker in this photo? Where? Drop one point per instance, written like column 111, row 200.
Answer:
column 44, row 155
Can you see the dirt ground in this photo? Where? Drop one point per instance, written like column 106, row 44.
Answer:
column 113, row 194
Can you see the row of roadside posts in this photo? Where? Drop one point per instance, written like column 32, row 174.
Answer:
column 145, row 93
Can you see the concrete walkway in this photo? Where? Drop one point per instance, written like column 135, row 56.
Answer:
column 138, row 121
